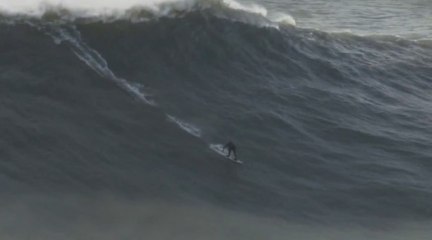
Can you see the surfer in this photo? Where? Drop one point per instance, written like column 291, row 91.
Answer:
column 231, row 148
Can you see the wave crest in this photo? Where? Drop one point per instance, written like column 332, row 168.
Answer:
column 137, row 11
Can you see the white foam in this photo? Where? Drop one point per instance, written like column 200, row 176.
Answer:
column 282, row 19
column 252, row 8
column 186, row 126
column 101, row 8
column 133, row 10
column 37, row 7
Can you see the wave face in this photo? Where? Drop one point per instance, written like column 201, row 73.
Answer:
column 328, row 125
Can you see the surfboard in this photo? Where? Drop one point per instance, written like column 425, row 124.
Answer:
column 218, row 148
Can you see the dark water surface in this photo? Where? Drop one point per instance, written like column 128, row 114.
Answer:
column 105, row 120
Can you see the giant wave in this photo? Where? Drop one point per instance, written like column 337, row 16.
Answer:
column 330, row 125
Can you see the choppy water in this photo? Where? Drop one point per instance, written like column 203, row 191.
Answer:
column 407, row 19
column 109, row 113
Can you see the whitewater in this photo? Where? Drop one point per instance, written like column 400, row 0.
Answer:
column 109, row 110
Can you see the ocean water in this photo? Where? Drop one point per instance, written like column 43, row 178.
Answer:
column 108, row 109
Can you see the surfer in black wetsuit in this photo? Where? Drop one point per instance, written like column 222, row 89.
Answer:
column 231, row 148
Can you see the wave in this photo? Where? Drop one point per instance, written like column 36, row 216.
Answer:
column 320, row 119
column 138, row 11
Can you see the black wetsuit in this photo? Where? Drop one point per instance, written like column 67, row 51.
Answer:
column 231, row 148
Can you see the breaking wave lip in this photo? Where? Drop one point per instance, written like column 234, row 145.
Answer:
column 139, row 11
